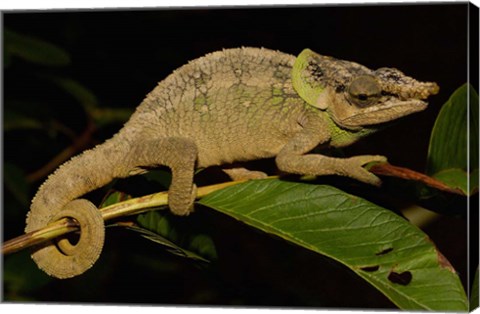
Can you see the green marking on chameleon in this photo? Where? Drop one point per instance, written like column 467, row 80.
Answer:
column 343, row 137
column 277, row 96
column 200, row 100
column 302, row 80
column 277, row 91
column 200, row 80
column 277, row 100
column 200, row 104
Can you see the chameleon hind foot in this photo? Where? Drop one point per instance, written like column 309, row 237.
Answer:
column 244, row 174
column 63, row 259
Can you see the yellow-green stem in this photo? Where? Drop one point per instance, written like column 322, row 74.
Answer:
column 126, row 208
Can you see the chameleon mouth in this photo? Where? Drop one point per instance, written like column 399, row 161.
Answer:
column 390, row 110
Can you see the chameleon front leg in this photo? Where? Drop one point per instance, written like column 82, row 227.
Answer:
column 294, row 158
column 180, row 155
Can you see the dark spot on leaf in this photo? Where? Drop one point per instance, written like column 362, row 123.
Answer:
column 400, row 278
column 385, row 251
column 370, row 268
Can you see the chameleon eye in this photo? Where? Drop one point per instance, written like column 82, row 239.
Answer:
column 364, row 91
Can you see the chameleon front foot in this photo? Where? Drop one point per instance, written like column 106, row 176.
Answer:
column 181, row 204
column 354, row 167
column 62, row 259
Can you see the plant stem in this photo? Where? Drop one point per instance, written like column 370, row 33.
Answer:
column 127, row 208
column 145, row 203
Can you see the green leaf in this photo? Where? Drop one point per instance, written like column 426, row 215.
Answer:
column 474, row 293
column 474, row 181
column 204, row 245
column 14, row 179
column 21, row 276
column 113, row 198
column 81, row 93
column 453, row 177
column 159, row 176
column 158, row 223
column 454, row 139
column 105, row 116
column 16, row 121
column 34, row 50
column 89, row 102
column 169, row 245
column 7, row 59
column 384, row 249
column 158, row 228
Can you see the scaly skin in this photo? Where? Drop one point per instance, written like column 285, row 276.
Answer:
column 232, row 105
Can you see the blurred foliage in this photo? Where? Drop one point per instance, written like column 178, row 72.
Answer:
column 166, row 229
column 453, row 149
column 474, row 293
column 32, row 50
column 14, row 180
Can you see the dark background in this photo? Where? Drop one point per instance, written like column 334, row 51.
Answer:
column 121, row 55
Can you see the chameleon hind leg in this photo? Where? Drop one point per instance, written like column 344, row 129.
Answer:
column 180, row 155
column 244, row 174
column 63, row 259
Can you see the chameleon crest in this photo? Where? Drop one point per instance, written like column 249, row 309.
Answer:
column 228, row 106
column 354, row 95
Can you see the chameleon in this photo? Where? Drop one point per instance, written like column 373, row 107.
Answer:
column 228, row 106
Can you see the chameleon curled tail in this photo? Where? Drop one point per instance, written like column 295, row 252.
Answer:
column 116, row 158
column 53, row 201
column 65, row 260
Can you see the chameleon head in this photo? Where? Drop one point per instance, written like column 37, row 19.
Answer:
column 355, row 96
